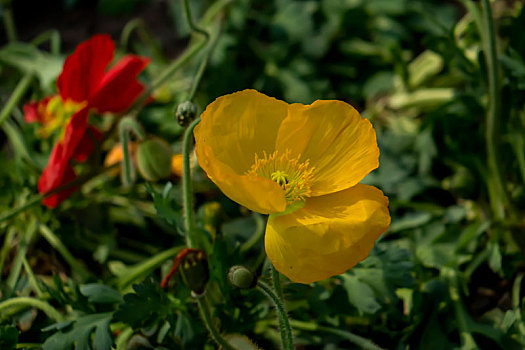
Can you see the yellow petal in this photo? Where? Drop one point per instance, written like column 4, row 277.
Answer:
column 329, row 235
column 255, row 193
column 338, row 142
column 234, row 128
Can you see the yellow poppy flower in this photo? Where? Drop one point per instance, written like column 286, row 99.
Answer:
column 301, row 164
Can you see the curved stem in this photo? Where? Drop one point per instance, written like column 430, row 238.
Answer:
column 256, row 237
column 284, row 323
column 204, row 309
column 126, row 125
column 31, row 302
column 193, row 26
column 187, row 186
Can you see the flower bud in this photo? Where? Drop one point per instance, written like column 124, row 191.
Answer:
column 154, row 159
column 241, row 277
column 194, row 271
column 185, row 113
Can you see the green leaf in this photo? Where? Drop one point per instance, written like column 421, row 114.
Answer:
column 165, row 204
column 29, row 59
column 79, row 335
column 360, row 294
column 8, row 337
column 147, row 305
column 101, row 294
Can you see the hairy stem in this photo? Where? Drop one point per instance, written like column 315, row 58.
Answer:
column 284, row 323
column 187, row 186
column 204, row 309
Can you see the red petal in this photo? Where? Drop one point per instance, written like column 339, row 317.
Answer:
column 56, row 174
column 86, row 145
column 49, row 181
column 75, row 131
column 119, row 87
column 84, row 69
column 32, row 111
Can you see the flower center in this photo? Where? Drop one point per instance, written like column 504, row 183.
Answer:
column 56, row 114
column 295, row 178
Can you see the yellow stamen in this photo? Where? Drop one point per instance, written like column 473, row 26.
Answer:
column 57, row 114
column 294, row 177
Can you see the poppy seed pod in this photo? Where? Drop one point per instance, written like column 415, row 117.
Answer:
column 185, row 113
column 154, row 159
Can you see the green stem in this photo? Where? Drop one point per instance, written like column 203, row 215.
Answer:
column 6, row 247
column 284, row 323
column 256, row 237
column 171, row 69
column 31, row 302
column 198, row 76
column 498, row 195
column 9, row 22
column 53, row 36
column 16, row 266
column 204, row 309
column 187, row 186
column 276, row 280
column 127, row 125
column 135, row 272
column 31, row 277
column 145, row 35
column 516, row 303
column 189, row 18
column 57, row 244
column 354, row 338
column 38, row 198
column 467, row 340
column 16, row 96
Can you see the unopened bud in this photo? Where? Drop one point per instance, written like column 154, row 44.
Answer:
column 185, row 113
column 154, row 159
column 194, row 270
column 241, row 277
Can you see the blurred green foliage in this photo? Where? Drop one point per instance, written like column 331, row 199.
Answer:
column 448, row 273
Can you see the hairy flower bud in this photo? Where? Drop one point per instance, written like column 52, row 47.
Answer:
column 241, row 277
column 154, row 159
column 185, row 113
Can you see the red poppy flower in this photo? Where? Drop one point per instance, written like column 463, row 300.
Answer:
column 84, row 85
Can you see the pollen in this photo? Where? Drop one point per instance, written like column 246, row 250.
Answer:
column 294, row 177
